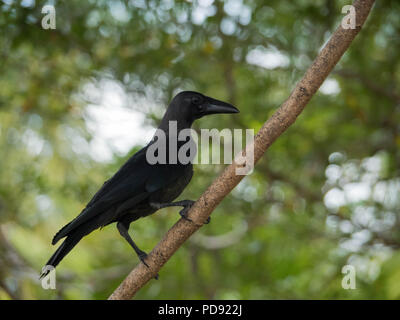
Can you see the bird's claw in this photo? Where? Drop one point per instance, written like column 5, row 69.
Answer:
column 184, row 211
column 142, row 257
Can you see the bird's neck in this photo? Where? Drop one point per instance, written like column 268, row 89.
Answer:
column 174, row 136
column 174, row 132
column 172, row 127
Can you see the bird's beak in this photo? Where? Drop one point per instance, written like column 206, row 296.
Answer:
column 215, row 106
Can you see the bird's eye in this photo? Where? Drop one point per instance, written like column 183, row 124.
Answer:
column 196, row 100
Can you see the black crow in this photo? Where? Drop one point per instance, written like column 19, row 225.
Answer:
column 139, row 188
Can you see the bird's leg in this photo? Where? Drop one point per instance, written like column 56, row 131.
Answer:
column 186, row 204
column 123, row 230
column 183, row 203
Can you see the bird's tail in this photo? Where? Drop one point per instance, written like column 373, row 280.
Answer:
column 61, row 252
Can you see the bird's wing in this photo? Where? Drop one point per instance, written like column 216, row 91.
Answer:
column 133, row 172
column 135, row 181
column 127, row 182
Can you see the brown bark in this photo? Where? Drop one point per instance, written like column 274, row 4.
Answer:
column 271, row 130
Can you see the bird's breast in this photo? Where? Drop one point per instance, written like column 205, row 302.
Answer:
column 175, row 188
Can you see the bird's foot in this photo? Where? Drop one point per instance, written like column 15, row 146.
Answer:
column 142, row 257
column 183, row 213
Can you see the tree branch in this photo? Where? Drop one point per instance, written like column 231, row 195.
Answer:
column 271, row 130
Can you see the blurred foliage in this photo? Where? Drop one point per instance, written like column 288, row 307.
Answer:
column 326, row 194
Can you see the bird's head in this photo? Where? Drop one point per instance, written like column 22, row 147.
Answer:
column 189, row 105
